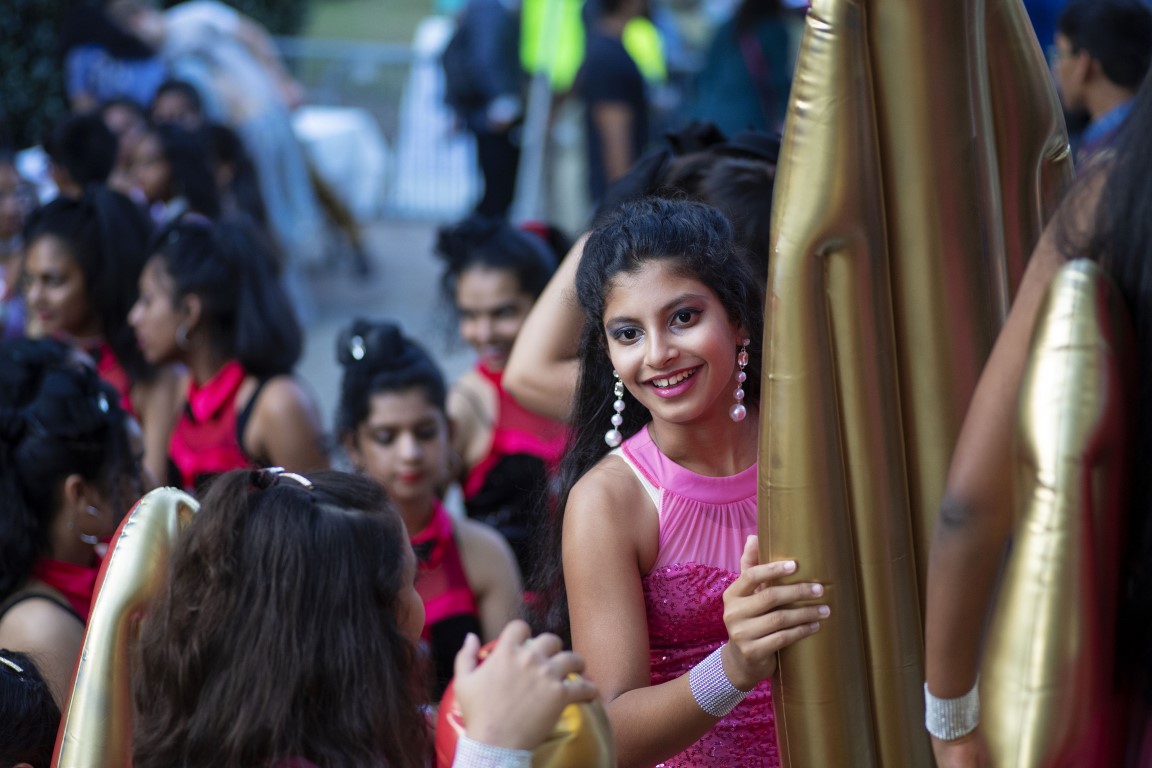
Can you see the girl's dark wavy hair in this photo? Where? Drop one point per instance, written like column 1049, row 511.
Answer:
column 377, row 357
column 231, row 267
column 107, row 235
column 696, row 241
column 480, row 241
column 57, row 418
column 277, row 633
column 1120, row 239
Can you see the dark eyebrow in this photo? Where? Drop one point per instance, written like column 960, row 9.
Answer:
column 668, row 307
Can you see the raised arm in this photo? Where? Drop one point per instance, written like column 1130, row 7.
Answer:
column 976, row 513
column 543, row 368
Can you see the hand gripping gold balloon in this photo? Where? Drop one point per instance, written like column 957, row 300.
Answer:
column 96, row 730
column 908, row 195
column 1047, row 689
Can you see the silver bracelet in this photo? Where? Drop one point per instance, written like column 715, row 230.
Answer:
column 949, row 719
column 711, row 687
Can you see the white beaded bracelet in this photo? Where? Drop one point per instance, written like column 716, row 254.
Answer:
column 949, row 719
column 711, row 687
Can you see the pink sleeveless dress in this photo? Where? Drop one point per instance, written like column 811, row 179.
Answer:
column 704, row 522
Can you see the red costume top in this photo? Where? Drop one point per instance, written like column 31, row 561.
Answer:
column 206, row 440
column 516, row 430
column 506, row 487
column 75, row 582
column 450, row 611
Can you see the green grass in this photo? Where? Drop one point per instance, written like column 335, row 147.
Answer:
column 389, row 21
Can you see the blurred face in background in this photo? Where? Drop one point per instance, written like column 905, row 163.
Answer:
column 176, row 108
column 155, row 317
column 150, row 171
column 56, row 290
column 492, row 308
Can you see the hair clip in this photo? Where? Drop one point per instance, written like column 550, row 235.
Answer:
column 102, row 402
column 356, row 347
column 9, row 663
column 278, row 472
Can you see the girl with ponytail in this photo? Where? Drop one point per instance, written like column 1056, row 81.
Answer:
column 83, row 259
column 211, row 300
column 69, row 470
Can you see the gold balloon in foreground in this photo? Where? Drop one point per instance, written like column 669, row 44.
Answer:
column 582, row 737
column 96, row 729
column 1047, row 691
column 908, row 196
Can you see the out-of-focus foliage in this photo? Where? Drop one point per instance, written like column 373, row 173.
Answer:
column 31, row 71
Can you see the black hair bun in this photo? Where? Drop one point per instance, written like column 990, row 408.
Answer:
column 379, row 344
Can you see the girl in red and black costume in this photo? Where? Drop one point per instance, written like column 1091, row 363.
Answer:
column 69, row 470
column 493, row 275
column 83, row 260
column 210, row 299
column 393, row 424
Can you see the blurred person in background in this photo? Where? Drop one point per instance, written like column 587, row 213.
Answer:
column 1101, row 55
column 484, row 85
column 172, row 169
column 83, row 257
column 83, row 152
column 394, row 426
column 210, row 300
column 127, row 120
column 492, row 275
column 615, row 97
column 17, row 199
column 747, row 72
column 70, row 467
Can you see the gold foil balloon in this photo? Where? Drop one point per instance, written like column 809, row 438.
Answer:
column 830, row 351
column 582, row 737
column 96, row 729
column 1048, row 689
column 909, row 192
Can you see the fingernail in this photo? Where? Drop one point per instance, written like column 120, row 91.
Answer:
column 814, row 626
column 824, row 610
column 817, row 589
column 789, row 566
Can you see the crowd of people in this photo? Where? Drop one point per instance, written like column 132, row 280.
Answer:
column 604, row 446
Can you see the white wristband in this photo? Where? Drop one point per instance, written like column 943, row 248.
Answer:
column 475, row 754
column 949, row 719
column 711, row 687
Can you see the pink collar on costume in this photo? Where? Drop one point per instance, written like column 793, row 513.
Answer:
column 75, row 582
column 205, row 400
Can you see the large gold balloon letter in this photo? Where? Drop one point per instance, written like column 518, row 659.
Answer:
column 96, row 730
column 923, row 149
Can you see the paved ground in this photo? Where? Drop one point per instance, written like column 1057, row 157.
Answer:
column 403, row 286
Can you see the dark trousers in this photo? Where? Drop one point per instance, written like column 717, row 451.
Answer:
column 499, row 157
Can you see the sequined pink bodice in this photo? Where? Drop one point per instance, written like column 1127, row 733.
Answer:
column 704, row 522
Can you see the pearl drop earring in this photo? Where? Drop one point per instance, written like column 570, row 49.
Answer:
column 738, row 411
column 613, row 436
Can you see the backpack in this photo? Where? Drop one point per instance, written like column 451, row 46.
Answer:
column 461, row 90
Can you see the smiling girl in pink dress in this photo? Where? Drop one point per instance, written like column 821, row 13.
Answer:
column 678, row 621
